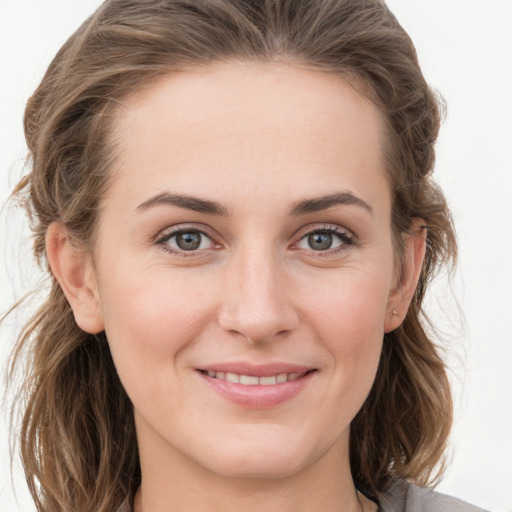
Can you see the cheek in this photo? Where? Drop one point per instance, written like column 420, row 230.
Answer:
column 149, row 320
column 350, row 306
column 349, row 320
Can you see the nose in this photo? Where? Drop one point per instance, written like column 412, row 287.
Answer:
column 257, row 303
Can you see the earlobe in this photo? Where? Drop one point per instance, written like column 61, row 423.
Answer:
column 401, row 297
column 73, row 270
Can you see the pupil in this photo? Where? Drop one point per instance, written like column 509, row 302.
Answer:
column 320, row 241
column 188, row 241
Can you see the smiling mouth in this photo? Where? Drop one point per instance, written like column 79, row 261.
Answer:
column 257, row 387
column 252, row 380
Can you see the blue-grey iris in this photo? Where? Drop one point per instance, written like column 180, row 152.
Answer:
column 320, row 241
column 188, row 241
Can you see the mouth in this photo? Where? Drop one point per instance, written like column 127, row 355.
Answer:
column 257, row 387
column 254, row 380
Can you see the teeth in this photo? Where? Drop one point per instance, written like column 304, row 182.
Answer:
column 232, row 377
column 251, row 380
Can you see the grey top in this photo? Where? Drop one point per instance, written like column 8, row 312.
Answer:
column 404, row 497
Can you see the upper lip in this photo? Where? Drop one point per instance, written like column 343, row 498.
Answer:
column 256, row 370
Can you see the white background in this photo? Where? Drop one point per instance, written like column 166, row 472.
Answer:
column 465, row 48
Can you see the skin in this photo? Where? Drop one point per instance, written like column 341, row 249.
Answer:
column 256, row 139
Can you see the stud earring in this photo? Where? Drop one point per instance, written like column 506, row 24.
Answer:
column 394, row 312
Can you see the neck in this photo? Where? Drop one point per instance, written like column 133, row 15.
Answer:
column 249, row 496
column 172, row 482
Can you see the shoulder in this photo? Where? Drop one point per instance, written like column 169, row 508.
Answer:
column 404, row 497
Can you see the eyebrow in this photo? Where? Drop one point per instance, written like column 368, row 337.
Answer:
column 323, row 203
column 213, row 208
column 187, row 202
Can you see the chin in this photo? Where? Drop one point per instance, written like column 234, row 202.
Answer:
column 267, row 454
column 256, row 467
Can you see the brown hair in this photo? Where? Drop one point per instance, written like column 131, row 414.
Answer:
column 77, row 437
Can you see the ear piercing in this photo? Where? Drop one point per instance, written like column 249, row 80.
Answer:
column 394, row 312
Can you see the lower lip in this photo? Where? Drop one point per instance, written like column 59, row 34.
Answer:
column 258, row 397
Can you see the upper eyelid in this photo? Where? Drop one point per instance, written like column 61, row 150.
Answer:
column 334, row 228
column 171, row 231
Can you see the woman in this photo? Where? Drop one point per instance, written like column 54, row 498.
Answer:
column 235, row 202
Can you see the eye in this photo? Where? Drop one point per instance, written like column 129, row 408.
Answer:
column 186, row 240
column 326, row 239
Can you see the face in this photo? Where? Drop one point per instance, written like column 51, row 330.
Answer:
column 243, row 266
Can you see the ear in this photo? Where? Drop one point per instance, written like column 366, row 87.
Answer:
column 401, row 296
column 73, row 270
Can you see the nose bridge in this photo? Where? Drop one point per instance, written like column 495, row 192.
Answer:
column 256, row 298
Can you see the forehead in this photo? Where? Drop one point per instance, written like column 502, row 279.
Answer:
column 226, row 128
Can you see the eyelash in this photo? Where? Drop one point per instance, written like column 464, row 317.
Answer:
column 346, row 237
